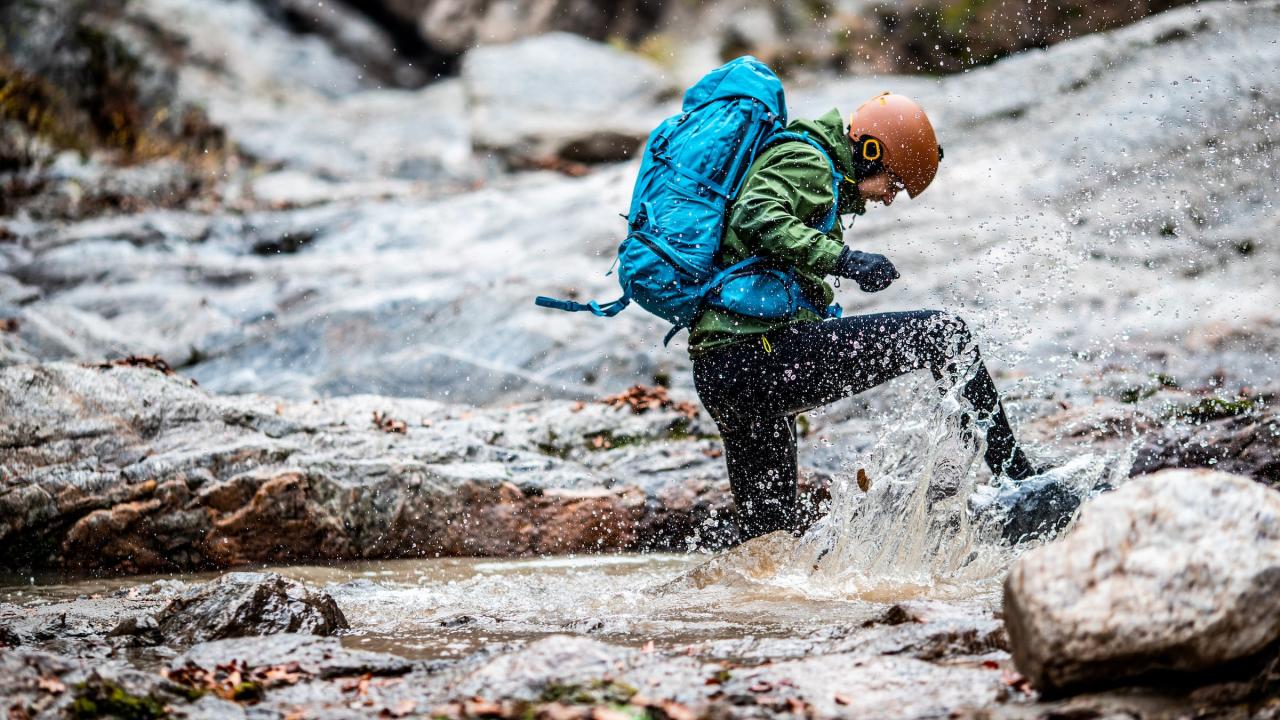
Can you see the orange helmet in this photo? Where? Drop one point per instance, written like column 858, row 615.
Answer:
column 894, row 130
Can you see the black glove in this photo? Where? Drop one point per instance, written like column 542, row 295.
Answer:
column 872, row 271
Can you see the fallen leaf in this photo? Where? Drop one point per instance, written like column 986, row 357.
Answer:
column 864, row 482
column 1017, row 681
column 480, row 706
column 388, row 424
column 675, row 711
column 760, row 686
column 842, row 699
column 51, row 684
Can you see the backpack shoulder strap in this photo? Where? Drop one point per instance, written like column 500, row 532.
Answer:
column 837, row 178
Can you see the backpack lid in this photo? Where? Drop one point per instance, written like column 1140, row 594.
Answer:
column 741, row 77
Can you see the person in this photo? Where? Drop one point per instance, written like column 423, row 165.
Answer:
column 754, row 376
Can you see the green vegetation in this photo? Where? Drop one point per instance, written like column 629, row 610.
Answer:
column 597, row 692
column 108, row 699
column 1213, row 408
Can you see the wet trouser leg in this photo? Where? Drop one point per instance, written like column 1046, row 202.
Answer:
column 754, row 395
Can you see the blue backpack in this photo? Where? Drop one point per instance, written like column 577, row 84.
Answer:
column 693, row 167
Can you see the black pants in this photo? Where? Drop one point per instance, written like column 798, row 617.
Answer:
column 754, row 393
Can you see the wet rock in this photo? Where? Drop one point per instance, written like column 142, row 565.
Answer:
column 127, row 469
column 143, row 629
column 455, row 25
column 562, row 667
column 44, row 685
column 1245, row 442
column 245, row 604
column 1174, row 572
column 561, row 96
column 315, row 656
column 851, row 686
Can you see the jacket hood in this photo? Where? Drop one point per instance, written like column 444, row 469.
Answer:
column 828, row 130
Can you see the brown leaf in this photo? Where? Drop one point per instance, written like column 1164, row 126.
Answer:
column 760, row 686
column 842, row 699
column 155, row 362
column 1017, row 681
column 479, row 706
column 388, row 424
column 675, row 711
column 51, row 684
column 864, row 482
column 359, row 686
column 9, row 325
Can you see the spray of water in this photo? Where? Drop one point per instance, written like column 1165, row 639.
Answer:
column 899, row 522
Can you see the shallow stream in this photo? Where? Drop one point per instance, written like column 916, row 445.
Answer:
column 897, row 529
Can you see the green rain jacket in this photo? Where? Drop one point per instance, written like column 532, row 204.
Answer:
column 787, row 189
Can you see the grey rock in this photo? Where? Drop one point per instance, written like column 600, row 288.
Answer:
column 317, row 656
column 128, row 470
column 243, row 604
column 561, row 96
column 1174, row 571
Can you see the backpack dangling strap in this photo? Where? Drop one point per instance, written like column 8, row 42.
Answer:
column 608, row 309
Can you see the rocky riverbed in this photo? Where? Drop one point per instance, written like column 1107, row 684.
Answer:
column 286, row 320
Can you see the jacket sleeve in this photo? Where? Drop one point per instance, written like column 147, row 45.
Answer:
column 792, row 186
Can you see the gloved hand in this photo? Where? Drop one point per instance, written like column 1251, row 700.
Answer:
column 872, row 271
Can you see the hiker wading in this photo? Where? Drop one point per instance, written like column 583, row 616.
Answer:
column 754, row 375
column 732, row 232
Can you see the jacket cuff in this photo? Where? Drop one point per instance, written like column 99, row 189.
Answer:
column 828, row 251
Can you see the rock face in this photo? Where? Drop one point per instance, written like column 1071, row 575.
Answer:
column 129, row 469
column 242, row 604
column 560, row 96
column 1175, row 571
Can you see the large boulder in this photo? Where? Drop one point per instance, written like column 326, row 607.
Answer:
column 243, row 604
column 1178, row 571
column 560, row 96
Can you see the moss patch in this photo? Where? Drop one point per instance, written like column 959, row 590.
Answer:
column 108, row 699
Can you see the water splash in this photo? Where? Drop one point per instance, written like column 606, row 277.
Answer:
column 899, row 523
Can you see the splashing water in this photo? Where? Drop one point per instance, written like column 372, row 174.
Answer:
column 899, row 523
column 910, row 526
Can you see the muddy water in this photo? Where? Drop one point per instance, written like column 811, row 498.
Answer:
column 435, row 608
